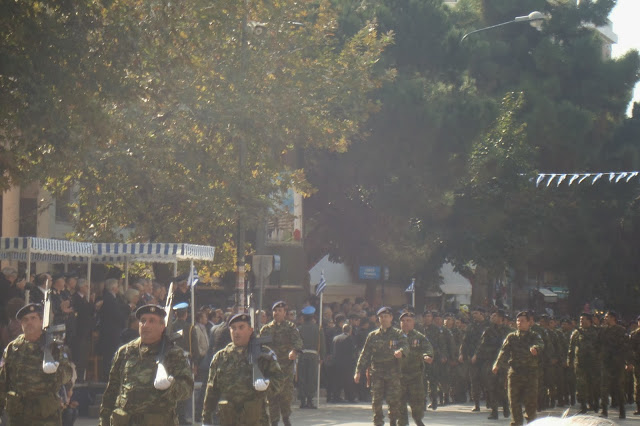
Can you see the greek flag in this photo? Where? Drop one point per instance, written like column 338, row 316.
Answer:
column 193, row 279
column 321, row 285
column 412, row 287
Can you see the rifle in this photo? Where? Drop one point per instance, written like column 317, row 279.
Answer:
column 53, row 334
column 163, row 380
column 255, row 350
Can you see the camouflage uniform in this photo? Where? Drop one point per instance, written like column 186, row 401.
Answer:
column 522, row 377
column 412, row 368
column 449, row 351
column 614, row 349
column 468, row 348
column 432, row 333
column 569, row 373
column 562, row 380
column 378, row 353
column 583, row 357
column 286, row 338
column 458, row 377
column 488, row 349
column 634, row 346
column 544, row 364
column 230, row 387
column 31, row 396
column 130, row 397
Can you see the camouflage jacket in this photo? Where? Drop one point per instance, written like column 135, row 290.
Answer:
column 285, row 339
column 471, row 339
column 634, row 346
column 21, row 371
column 419, row 347
column 432, row 332
column 516, row 351
column 130, row 390
column 491, row 342
column 380, row 347
column 583, row 348
column 614, row 345
column 231, row 378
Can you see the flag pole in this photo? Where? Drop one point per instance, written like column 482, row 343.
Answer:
column 319, row 363
column 413, row 292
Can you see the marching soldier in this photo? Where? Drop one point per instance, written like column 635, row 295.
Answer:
column 634, row 341
column 136, row 395
column 582, row 357
column 520, row 351
column 468, row 348
column 614, row 349
column 381, row 353
column 420, row 352
column 488, row 349
column 231, row 388
column 286, row 344
column 432, row 333
column 30, row 395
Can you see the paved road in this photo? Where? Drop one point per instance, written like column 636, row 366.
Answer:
column 360, row 415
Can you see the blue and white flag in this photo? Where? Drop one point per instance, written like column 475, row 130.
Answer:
column 321, row 285
column 193, row 277
column 412, row 286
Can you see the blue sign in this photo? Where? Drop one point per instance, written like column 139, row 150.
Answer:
column 369, row 273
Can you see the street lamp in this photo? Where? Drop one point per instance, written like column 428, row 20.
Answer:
column 534, row 18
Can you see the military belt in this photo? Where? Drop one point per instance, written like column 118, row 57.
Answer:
column 309, row 351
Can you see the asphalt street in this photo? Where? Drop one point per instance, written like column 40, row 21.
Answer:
column 360, row 415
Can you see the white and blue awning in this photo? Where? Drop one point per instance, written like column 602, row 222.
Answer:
column 62, row 251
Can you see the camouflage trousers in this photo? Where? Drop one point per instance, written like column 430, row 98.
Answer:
column 586, row 385
column 412, row 394
column 522, row 389
column 612, row 384
column 495, row 386
column 385, row 384
column 280, row 403
column 636, row 383
column 54, row 420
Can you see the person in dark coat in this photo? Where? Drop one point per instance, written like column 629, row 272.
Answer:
column 113, row 316
column 343, row 356
column 84, row 319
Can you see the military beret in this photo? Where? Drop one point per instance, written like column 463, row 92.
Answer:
column 180, row 306
column 240, row 317
column 612, row 314
column 29, row 309
column 151, row 309
column 279, row 304
column 384, row 310
column 587, row 315
column 308, row 310
column 407, row 314
column 522, row 314
column 449, row 315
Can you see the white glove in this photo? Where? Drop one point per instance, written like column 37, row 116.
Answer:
column 50, row 367
column 261, row 385
column 162, row 380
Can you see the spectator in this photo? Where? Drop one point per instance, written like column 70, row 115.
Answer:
column 113, row 316
column 84, row 318
column 132, row 331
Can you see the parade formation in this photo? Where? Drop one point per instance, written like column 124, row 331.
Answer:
column 415, row 362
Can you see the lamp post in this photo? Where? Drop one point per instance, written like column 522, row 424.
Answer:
column 534, row 18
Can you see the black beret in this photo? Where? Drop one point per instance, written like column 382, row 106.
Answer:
column 339, row 317
column 151, row 309
column 384, row 310
column 522, row 314
column 407, row 314
column 612, row 314
column 240, row 317
column 29, row 309
column 436, row 314
column 279, row 304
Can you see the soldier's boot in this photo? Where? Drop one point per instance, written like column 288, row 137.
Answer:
column 418, row 422
column 477, row 407
column 493, row 415
column 506, row 412
column 605, row 411
column 623, row 412
column 583, row 408
column 637, row 412
column 573, row 399
column 286, row 421
column 310, row 404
